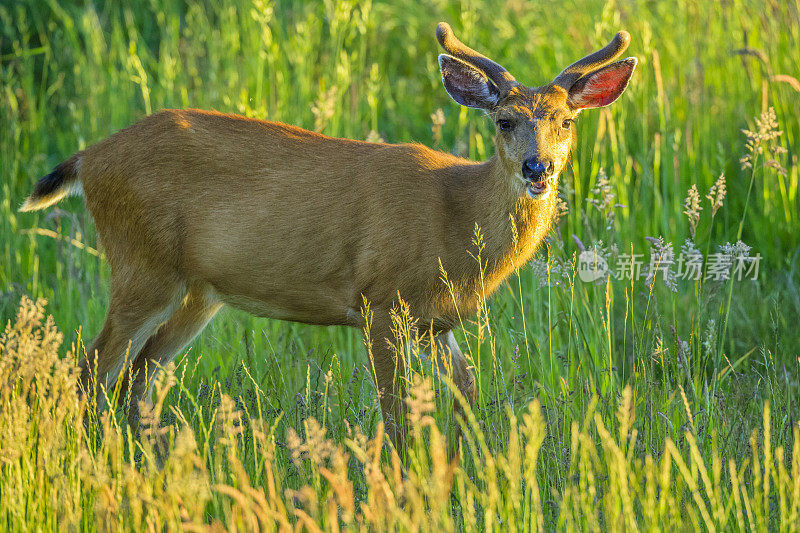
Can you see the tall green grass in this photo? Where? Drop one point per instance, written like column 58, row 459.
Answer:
column 189, row 468
column 696, row 365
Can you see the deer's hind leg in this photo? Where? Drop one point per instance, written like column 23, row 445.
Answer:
column 195, row 311
column 140, row 301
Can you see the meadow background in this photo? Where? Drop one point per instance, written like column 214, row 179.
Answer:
column 617, row 404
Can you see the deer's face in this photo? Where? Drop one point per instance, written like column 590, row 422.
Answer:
column 534, row 124
column 534, row 136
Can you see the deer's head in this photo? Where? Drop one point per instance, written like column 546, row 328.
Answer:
column 534, row 124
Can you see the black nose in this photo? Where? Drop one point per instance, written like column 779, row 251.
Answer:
column 537, row 169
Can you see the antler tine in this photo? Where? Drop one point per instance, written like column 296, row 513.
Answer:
column 594, row 61
column 500, row 76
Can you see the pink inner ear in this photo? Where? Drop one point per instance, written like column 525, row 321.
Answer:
column 602, row 87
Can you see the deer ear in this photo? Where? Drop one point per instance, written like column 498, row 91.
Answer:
column 466, row 84
column 603, row 86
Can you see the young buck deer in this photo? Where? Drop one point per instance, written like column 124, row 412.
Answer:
column 198, row 209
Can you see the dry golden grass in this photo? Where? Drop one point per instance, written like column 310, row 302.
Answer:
column 61, row 468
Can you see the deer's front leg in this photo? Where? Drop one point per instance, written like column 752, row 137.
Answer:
column 390, row 377
column 458, row 368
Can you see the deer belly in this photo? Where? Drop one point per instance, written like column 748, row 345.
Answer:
column 308, row 309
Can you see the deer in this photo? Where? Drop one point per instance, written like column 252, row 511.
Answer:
column 200, row 209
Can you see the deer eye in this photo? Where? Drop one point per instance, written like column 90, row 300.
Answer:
column 567, row 123
column 504, row 124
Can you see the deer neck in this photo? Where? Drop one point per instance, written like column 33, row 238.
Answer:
column 493, row 199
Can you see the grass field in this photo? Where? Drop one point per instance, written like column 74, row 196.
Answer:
column 614, row 404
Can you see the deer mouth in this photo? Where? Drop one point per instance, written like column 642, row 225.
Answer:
column 537, row 189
